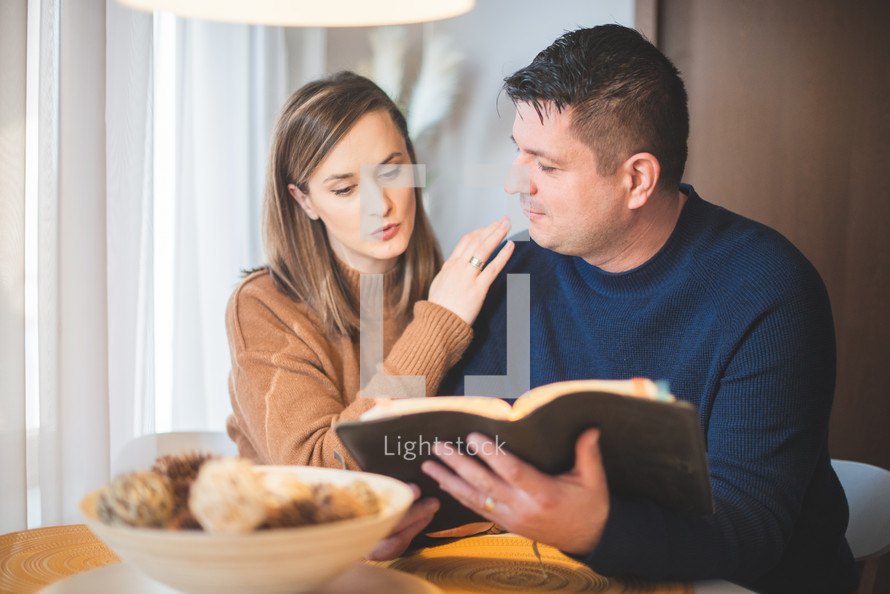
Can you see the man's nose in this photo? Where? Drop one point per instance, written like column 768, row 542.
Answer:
column 518, row 178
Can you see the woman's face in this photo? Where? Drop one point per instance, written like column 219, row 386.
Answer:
column 364, row 194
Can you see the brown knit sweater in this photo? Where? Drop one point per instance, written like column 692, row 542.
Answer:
column 290, row 382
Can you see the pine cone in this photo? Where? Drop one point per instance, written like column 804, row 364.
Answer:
column 183, row 519
column 181, row 469
column 143, row 499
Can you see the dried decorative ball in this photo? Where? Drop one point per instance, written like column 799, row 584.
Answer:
column 143, row 499
column 283, row 487
column 336, row 503
column 290, row 514
column 366, row 495
column 228, row 496
column 289, row 501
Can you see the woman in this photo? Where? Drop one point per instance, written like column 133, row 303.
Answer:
column 293, row 326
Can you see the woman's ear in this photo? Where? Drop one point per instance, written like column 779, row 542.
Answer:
column 303, row 200
column 643, row 171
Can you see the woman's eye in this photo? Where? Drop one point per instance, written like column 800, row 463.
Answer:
column 391, row 173
column 343, row 191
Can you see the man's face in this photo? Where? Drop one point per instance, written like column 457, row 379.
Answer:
column 571, row 208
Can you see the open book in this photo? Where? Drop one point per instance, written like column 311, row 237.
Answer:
column 652, row 445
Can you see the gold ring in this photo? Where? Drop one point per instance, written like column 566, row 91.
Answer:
column 477, row 263
column 489, row 504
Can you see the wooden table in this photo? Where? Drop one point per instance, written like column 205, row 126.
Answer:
column 33, row 559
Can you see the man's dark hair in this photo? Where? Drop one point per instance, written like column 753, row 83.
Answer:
column 625, row 96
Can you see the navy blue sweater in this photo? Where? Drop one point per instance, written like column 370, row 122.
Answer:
column 739, row 323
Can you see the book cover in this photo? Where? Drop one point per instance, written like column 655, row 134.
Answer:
column 652, row 446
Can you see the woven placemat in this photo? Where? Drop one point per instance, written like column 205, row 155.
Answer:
column 33, row 559
column 498, row 564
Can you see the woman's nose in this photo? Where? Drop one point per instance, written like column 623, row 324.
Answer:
column 374, row 201
column 386, row 203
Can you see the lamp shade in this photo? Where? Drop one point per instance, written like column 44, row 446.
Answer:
column 310, row 13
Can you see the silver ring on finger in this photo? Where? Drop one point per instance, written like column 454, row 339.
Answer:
column 477, row 263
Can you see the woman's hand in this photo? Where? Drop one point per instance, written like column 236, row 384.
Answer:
column 412, row 523
column 461, row 285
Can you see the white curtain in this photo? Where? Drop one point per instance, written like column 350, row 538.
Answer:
column 13, row 35
column 129, row 110
column 81, row 236
column 230, row 81
column 87, row 177
column 56, row 410
column 66, row 389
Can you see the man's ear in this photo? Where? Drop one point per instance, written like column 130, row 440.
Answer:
column 303, row 200
column 642, row 171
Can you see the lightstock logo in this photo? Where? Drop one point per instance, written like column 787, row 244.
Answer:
column 373, row 181
column 410, row 449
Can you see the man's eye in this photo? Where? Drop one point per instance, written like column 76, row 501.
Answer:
column 546, row 169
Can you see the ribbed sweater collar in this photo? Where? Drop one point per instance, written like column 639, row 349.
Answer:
column 353, row 277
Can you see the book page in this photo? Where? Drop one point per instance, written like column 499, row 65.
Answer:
column 638, row 387
column 480, row 405
column 497, row 408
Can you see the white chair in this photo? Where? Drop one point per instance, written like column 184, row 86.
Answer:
column 140, row 453
column 868, row 495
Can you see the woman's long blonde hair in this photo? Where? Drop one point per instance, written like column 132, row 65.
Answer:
column 300, row 258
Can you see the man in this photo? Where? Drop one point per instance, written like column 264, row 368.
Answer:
column 633, row 274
